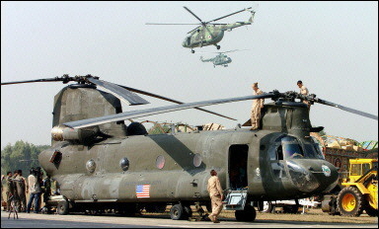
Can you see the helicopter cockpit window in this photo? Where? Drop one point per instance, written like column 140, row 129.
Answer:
column 291, row 148
column 197, row 160
column 188, row 40
column 124, row 164
column 160, row 162
column 279, row 153
column 91, row 165
column 313, row 151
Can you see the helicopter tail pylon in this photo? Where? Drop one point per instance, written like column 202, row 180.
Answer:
column 251, row 19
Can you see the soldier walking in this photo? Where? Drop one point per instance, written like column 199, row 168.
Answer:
column 216, row 195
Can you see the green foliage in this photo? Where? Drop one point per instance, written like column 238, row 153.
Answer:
column 20, row 156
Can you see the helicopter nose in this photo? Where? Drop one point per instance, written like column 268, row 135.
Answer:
column 186, row 42
column 301, row 178
column 313, row 177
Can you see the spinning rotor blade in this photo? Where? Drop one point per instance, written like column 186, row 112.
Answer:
column 228, row 15
column 158, row 110
column 152, row 23
column 173, row 101
column 119, row 92
column 348, row 109
column 203, row 23
column 235, row 50
column 194, row 15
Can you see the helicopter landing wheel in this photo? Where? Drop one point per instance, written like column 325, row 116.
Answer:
column 177, row 212
column 192, row 51
column 63, row 207
column 246, row 215
column 218, row 47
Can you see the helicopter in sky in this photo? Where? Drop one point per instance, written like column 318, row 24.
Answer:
column 221, row 59
column 208, row 32
column 101, row 163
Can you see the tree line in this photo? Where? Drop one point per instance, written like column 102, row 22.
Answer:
column 22, row 155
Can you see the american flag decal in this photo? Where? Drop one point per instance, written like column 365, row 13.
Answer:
column 143, row 191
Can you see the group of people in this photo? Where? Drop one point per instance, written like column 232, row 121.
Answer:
column 15, row 188
column 257, row 105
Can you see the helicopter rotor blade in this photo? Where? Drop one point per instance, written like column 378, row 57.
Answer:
column 152, row 23
column 29, row 81
column 194, row 15
column 344, row 108
column 239, row 11
column 312, row 98
column 173, row 101
column 235, row 50
column 119, row 92
column 203, row 23
column 64, row 78
column 159, row 110
column 123, row 93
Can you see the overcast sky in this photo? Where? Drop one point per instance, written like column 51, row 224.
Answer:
column 331, row 46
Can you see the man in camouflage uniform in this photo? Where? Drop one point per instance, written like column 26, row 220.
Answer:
column 6, row 182
column 20, row 187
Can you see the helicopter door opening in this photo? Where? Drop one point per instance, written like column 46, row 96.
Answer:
column 188, row 40
column 238, row 166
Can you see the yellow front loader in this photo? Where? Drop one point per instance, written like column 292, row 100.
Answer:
column 361, row 189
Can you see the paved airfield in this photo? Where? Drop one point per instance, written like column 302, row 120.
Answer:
column 85, row 221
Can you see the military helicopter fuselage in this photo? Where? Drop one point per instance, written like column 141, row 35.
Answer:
column 220, row 59
column 176, row 166
column 203, row 36
column 210, row 33
column 100, row 163
column 123, row 167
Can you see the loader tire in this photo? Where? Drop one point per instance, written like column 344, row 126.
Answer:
column 350, row 202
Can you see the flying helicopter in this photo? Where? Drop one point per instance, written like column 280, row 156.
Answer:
column 220, row 59
column 101, row 163
column 208, row 32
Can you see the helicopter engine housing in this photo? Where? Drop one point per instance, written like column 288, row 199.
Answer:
column 62, row 133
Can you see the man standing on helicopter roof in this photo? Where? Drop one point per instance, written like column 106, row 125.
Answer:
column 303, row 91
column 256, row 108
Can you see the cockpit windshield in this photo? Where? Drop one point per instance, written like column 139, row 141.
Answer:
column 313, row 151
column 289, row 147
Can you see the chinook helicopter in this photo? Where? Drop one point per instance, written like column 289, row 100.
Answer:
column 221, row 59
column 209, row 33
column 101, row 163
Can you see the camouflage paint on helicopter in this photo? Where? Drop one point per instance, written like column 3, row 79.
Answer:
column 209, row 33
column 101, row 163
